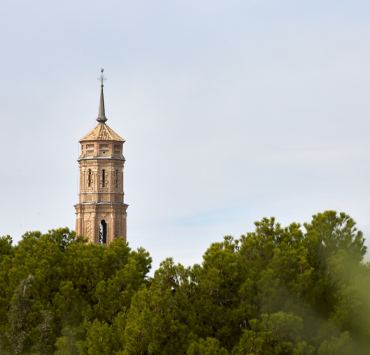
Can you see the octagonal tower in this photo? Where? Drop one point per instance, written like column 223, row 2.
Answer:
column 101, row 211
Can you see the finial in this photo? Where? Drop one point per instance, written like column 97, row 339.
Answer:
column 101, row 117
column 102, row 78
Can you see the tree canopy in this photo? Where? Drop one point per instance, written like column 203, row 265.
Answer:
column 299, row 289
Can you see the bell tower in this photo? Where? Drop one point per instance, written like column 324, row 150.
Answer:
column 101, row 211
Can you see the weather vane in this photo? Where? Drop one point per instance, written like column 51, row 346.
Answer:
column 102, row 78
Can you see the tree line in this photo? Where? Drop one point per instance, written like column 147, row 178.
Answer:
column 299, row 289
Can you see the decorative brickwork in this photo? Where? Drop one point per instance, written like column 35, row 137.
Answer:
column 101, row 207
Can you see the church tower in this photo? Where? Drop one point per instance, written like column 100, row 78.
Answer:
column 101, row 211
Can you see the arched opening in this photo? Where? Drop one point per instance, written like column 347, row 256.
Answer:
column 89, row 178
column 116, row 178
column 103, row 232
column 103, row 178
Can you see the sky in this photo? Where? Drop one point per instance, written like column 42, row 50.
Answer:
column 232, row 110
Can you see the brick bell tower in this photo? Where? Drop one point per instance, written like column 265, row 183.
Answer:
column 101, row 211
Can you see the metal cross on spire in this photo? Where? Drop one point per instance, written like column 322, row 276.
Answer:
column 101, row 117
column 102, row 78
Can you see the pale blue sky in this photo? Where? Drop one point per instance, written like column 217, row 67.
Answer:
column 232, row 111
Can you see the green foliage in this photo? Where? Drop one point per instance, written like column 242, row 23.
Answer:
column 58, row 293
column 276, row 290
column 5, row 247
column 341, row 345
column 277, row 333
column 209, row 346
column 158, row 321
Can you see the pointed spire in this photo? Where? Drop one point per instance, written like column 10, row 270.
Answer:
column 101, row 117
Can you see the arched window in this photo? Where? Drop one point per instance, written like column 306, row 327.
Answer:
column 89, row 178
column 103, row 182
column 116, row 178
column 103, row 232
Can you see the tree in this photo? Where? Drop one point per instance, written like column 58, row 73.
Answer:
column 276, row 290
column 159, row 318
column 277, row 333
column 209, row 346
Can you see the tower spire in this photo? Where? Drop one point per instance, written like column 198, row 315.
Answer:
column 101, row 117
